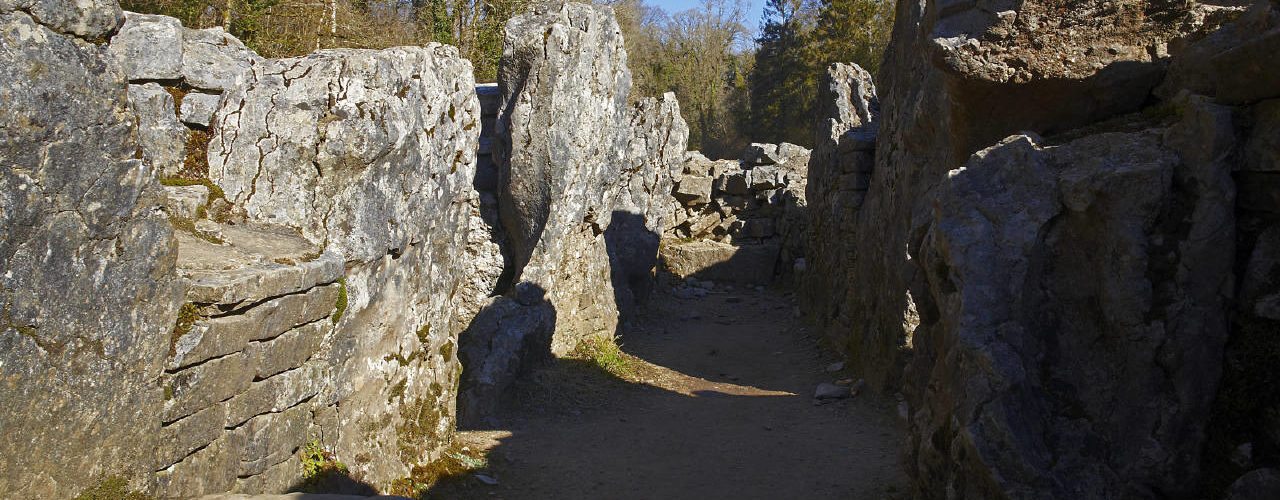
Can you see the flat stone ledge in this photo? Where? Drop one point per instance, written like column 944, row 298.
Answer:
column 253, row 264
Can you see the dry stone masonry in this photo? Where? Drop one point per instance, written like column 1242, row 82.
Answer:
column 302, row 289
column 253, row 255
column 738, row 221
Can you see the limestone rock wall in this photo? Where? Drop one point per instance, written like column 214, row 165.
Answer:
column 371, row 156
column 1078, row 294
column 88, row 290
column 177, row 78
column 322, row 268
column 1050, row 252
column 329, row 235
column 839, row 172
column 573, row 174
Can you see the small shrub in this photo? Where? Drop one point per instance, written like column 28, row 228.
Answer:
column 319, row 467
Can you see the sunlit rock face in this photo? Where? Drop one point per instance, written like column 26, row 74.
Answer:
column 371, row 155
column 579, row 166
column 88, row 291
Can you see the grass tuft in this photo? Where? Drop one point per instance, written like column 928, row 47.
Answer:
column 319, row 468
column 607, row 355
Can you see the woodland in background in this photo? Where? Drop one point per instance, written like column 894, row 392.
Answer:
column 733, row 89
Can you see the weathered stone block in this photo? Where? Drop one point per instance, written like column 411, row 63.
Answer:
column 276, row 394
column 764, row 177
column 212, row 59
column 694, row 190
column 148, row 47
column 185, row 201
column 201, row 386
column 226, row 334
column 160, row 135
column 1248, row 72
column 759, row 154
column 288, row 351
column 210, row 470
column 733, row 183
column 198, row 108
column 256, row 264
column 748, row 264
column 178, row 439
column 504, row 339
column 702, row 223
column 267, row 440
column 278, row 478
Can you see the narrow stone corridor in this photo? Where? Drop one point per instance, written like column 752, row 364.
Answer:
column 717, row 402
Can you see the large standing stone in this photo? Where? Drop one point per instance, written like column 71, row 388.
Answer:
column 1076, row 294
column 844, row 137
column 371, row 155
column 88, row 291
column 570, row 166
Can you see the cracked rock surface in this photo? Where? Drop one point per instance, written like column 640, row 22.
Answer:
column 87, row 284
column 582, row 175
column 371, row 155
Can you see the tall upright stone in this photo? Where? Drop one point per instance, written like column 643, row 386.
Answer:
column 371, row 155
column 88, row 291
column 577, row 163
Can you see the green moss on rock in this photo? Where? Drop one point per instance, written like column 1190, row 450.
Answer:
column 111, row 488
column 340, row 307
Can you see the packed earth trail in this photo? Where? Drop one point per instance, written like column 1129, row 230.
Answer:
column 712, row 397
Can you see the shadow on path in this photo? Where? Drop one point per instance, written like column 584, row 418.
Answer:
column 718, row 407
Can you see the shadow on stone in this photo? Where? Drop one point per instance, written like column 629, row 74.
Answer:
column 510, row 335
column 633, row 256
column 329, row 482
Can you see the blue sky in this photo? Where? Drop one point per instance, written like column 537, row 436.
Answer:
column 754, row 9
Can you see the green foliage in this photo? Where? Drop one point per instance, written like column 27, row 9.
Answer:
column 340, row 307
column 286, row 28
column 798, row 41
column 697, row 54
column 111, row 488
column 319, row 467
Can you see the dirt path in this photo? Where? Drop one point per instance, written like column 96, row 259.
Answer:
column 719, row 407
